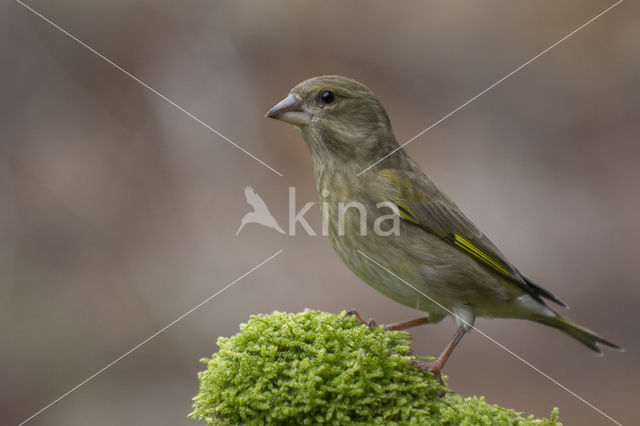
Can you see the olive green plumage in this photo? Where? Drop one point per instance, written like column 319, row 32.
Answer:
column 437, row 249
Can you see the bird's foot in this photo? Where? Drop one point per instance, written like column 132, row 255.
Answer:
column 433, row 367
column 371, row 323
column 403, row 325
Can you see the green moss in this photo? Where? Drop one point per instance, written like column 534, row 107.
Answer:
column 314, row 367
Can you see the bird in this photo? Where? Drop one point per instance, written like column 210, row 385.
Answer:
column 260, row 213
column 439, row 262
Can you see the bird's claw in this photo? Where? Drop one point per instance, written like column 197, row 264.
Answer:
column 371, row 323
column 433, row 367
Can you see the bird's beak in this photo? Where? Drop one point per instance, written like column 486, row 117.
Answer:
column 290, row 110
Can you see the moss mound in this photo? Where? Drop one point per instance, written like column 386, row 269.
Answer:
column 315, row 367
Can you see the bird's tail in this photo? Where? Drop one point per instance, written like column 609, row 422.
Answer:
column 583, row 335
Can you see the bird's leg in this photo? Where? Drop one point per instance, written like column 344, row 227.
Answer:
column 436, row 366
column 403, row 325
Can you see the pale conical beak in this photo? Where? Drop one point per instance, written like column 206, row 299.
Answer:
column 290, row 110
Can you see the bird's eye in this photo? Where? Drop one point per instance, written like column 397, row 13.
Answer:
column 327, row 97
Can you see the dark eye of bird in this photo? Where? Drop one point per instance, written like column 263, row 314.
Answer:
column 327, row 97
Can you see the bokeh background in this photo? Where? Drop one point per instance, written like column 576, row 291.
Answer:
column 118, row 212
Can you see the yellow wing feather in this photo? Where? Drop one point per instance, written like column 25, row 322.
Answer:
column 475, row 251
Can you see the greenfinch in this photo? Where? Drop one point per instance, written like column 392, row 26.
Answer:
column 437, row 261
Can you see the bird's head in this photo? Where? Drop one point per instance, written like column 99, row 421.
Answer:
column 339, row 117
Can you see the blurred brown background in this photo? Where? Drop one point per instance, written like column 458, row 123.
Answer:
column 118, row 212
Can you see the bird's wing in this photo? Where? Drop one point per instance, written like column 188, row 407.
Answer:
column 422, row 203
column 249, row 193
column 255, row 200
